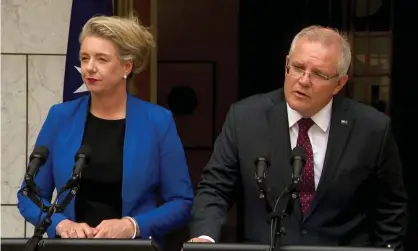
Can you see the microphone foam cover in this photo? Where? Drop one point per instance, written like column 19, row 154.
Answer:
column 83, row 152
column 41, row 152
column 299, row 151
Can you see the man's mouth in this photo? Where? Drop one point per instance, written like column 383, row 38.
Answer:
column 302, row 94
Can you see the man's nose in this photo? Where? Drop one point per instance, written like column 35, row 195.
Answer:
column 305, row 78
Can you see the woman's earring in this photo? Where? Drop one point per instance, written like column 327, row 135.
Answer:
column 124, row 76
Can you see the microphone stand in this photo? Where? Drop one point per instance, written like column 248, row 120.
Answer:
column 265, row 193
column 40, row 230
column 276, row 216
column 32, row 194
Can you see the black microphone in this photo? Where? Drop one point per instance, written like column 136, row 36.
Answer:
column 261, row 166
column 37, row 158
column 82, row 159
column 298, row 161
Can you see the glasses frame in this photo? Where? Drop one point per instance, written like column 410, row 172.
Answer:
column 320, row 75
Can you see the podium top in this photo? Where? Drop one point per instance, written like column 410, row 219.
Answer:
column 194, row 246
column 322, row 248
column 259, row 247
column 11, row 244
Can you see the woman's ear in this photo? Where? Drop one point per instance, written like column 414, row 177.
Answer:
column 128, row 65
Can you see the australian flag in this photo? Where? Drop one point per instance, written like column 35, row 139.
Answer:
column 81, row 12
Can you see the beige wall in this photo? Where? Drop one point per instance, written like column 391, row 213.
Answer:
column 33, row 46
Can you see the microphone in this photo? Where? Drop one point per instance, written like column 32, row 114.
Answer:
column 297, row 161
column 37, row 158
column 261, row 166
column 82, row 158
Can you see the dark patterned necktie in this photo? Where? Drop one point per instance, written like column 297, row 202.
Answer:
column 307, row 185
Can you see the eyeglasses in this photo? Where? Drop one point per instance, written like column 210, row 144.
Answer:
column 297, row 72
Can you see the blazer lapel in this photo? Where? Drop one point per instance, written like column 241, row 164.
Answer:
column 341, row 124
column 72, row 140
column 135, row 152
column 280, row 173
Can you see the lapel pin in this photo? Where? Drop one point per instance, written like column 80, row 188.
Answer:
column 344, row 122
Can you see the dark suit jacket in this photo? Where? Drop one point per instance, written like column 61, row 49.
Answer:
column 153, row 159
column 360, row 200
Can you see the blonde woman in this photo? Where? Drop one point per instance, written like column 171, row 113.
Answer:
column 135, row 148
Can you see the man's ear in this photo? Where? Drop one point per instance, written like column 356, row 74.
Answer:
column 286, row 64
column 340, row 84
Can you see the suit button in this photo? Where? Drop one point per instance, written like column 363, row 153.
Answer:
column 303, row 231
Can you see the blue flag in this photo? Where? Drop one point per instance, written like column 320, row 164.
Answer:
column 81, row 12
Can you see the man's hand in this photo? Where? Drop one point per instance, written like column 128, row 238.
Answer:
column 116, row 228
column 71, row 229
column 201, row 240
column 198, row 240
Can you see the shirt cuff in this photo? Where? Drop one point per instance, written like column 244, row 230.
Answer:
column 133, row 221
column 207, row 238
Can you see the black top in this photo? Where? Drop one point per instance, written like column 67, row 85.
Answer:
column 100, row 195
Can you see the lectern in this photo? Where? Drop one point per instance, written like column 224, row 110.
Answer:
column 323, row 248
column 193, row 246
column 259, row 247
column 13, row 244
column 8, row 244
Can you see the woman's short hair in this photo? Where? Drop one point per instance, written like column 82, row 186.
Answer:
column 133, row 40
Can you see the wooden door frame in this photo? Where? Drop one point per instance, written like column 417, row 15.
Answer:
column 145, row 85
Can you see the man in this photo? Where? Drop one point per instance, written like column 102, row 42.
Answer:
column 351, row 190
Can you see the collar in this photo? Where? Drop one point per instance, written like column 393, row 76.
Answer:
column 321, row 118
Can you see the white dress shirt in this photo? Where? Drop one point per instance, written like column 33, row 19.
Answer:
column 318, row 135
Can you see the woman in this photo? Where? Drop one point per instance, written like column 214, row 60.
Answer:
column 135, row 149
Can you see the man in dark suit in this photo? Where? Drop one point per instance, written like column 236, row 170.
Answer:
column 351, row 190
